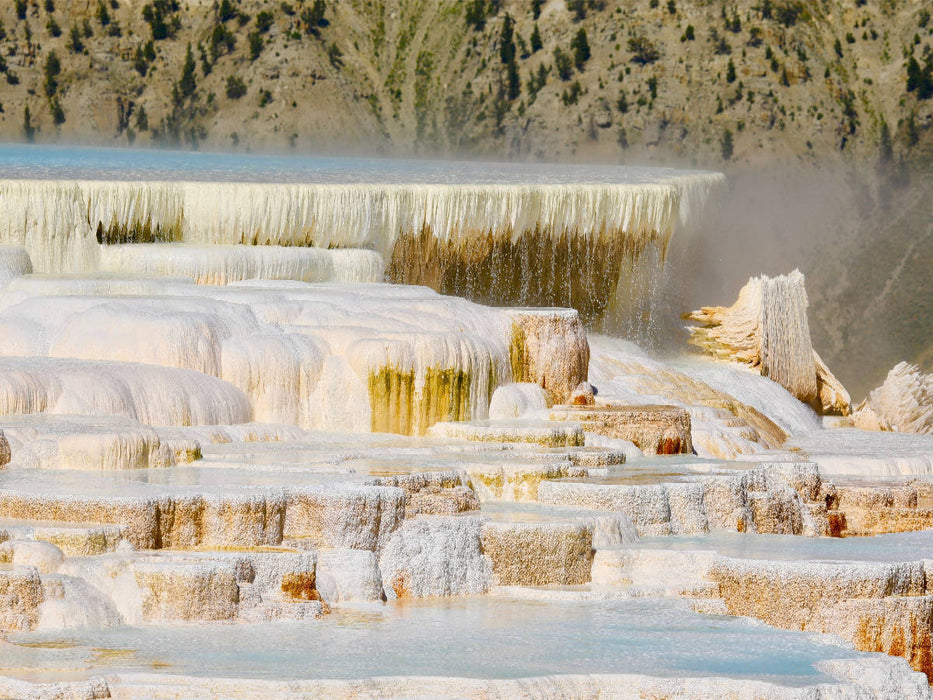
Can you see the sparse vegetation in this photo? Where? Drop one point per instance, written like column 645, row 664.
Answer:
column 58, row 114
column 570, row 96
column 536, row 43
column 162, row 18
column 313, row 17
column 255, row 45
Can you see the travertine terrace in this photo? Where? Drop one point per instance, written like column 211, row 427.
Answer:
column 235, row 462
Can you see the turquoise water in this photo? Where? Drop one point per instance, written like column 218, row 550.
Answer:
column 471, row 637
column 65, row 162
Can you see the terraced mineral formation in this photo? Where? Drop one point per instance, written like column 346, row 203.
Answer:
column 229, row 456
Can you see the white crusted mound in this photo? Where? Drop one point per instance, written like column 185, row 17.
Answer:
column 517, row 401
column 358, row 358
column 903, row 403
column 152, row 395
column 222, row 264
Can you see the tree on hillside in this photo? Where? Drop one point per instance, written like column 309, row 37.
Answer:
column 581, row 49
column 536, row 43
column 563, row 63
column 187, row 84
column 507, row 41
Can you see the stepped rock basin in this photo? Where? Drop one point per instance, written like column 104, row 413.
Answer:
column 283, row 427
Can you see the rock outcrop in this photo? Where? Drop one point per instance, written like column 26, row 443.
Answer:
column 767, row 330
column 903, row 403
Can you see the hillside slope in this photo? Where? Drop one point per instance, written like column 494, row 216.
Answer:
column 777, row 77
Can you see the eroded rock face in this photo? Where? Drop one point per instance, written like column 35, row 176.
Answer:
column 883, row 508
column 767, row 330
column 660, row 430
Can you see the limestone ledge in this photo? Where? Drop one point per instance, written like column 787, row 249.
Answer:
column 655, row 430
column 778, row 498
column 342, row 515
column 877, row 607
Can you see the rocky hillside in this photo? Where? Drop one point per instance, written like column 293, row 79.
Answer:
column 699, row 81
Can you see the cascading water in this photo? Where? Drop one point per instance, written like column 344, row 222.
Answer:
column 594, row 240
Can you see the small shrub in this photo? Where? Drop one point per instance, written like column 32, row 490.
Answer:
column 730, row 72
column 29, row 130
column 790, row 12
column 570, row 97
column 313, row 17
column 75, row 45
column 103, row 14
column 53, row 68
column 578, row 8
column 236, row 88
column 643, row 50
column 335, row 55
column 475, row 14
column 264, row 21
column 58, row 114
